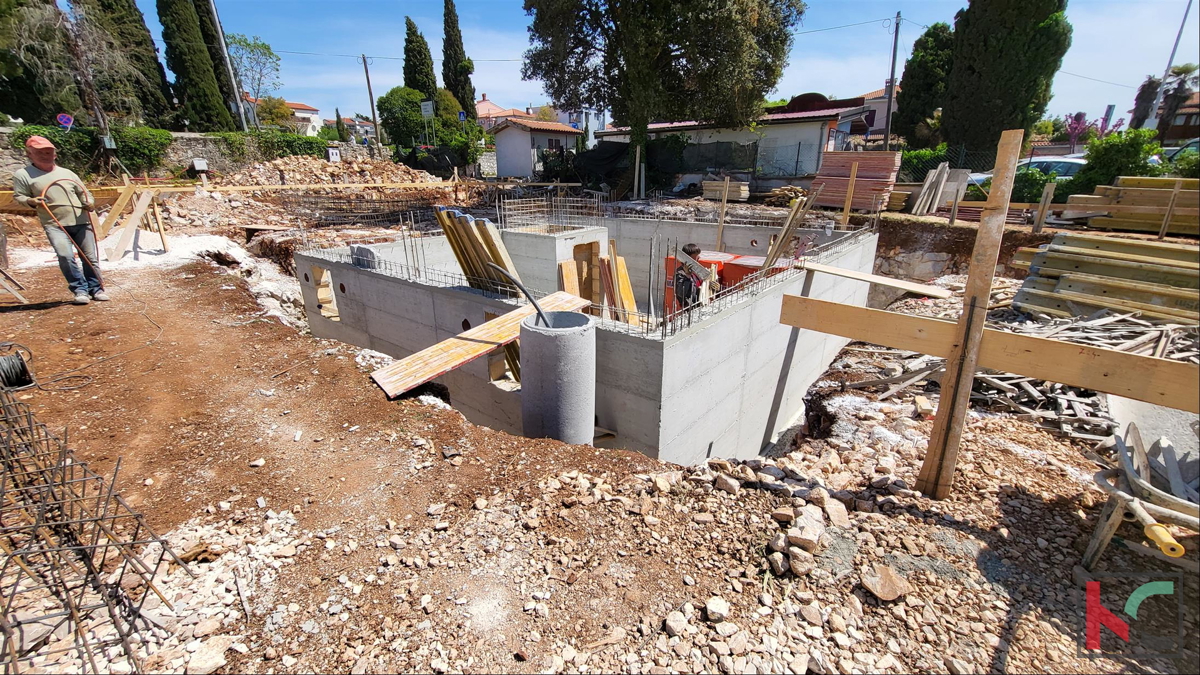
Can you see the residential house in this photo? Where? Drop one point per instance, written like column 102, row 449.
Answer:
column 305, row 120
column 1186, row 124
column 519, row 142
column 877, row 102
column 588, row 120
column 790, row 138
column 488, row 114
column 358, row 128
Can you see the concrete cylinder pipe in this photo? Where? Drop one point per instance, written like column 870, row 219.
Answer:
column 558, row 377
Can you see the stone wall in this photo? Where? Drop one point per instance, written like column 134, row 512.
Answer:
column 179, row 155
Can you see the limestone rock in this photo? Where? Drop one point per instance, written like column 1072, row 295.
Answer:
column 717, row 609
column 728, row 483
column 885, row 583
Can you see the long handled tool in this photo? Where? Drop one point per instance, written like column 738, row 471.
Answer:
column 91, row 224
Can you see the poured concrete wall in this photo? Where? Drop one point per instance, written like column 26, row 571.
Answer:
column 721, row 388
column 536, row 254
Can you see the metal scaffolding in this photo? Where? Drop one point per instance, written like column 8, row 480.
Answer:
column 79, row 563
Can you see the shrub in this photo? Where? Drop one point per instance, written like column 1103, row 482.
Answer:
column 141, row 148
column 235, row 144
column 77, row 148
column 1126, row 153
column 914, row 164
column 1187, row 164
column 1027, row 187
column 274, row 144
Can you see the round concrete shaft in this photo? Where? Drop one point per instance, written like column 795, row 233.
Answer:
column 558, row 377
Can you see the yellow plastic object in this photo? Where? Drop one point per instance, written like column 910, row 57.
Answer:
column 1166, row 543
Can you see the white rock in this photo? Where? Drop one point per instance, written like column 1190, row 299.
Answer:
column 676, row 624
column 717, row 609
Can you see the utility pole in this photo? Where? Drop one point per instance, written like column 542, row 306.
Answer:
column 233, row 81
column 1152, row 123
column 371, row 95
column 891, row 85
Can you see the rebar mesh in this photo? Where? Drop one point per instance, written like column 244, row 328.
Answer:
column 79, row 563
column 548, row 214
column 361, row 209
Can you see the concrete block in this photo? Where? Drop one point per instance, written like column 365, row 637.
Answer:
column 404, row 333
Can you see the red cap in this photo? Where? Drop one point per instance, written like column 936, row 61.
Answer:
column 38, row 143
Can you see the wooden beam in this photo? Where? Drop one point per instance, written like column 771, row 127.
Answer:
column 114, row 214
column 1174, row 384
column 130, row 226
column 1044, row 206
column 849, row 194
column 937, row 472
column 909, row 286
column 721, row 219
column 1166, row 223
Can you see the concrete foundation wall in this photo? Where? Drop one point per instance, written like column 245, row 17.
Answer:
column 723, row 387
column 536, row 254
column 733, row 381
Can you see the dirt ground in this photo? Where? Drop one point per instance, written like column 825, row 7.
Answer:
column 427, row 543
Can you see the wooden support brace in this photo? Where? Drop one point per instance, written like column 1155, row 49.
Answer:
column 721, row 219
column 849, row 194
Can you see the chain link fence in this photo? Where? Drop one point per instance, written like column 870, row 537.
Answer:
column 800, row 159
column 914, row 164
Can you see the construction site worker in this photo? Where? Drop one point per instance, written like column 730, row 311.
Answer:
column 687, row 282
column 63, row 213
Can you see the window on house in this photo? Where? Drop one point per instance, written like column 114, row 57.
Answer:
column 554, row 143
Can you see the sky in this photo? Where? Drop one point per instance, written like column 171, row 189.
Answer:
column 1116, row 44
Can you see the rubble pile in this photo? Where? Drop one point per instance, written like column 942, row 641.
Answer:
column 307, row 170
column 223, row 212
column 784, row 195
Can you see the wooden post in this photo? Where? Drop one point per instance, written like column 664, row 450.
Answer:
column 954, row 206
column 1162, row 232
column 937, row 472
column 849, row 194
column 158, row 221
column 1044, row 206
column 721, row 219
column 637, row 167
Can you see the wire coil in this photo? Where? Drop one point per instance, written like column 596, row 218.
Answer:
column 15, row 371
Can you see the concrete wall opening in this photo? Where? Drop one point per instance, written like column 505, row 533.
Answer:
column 326, row 299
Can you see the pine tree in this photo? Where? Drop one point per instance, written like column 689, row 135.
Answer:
column 923, row 85
column 126, row 24
column 216, row 54
column 1006, row 53
column 456, row 67
column 195, row 78
column 342, row 132
column 418, row 62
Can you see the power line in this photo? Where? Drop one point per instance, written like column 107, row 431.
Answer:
column 1115, row 84
column 344, row 56
column 849, row 25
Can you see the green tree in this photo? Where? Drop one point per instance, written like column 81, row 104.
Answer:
column 1006, row 53
column 127, row 26
column 36, row 80
column 546, row 113
column 708, row 60
column 210, row 29
column 273, row 111
column 328, row 134
column 343, row 134
column 256, row 65
column 446, row 106
column 1144, row 101
column 923, row 85
column 1124, row 153
column 456, row 67
column 418, row 62
column 195, row 78
column 400, row 115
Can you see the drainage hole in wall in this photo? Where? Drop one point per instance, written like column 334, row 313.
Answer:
column 342, row 288
column 306, row 276
column 754, row 242
column 466, row 325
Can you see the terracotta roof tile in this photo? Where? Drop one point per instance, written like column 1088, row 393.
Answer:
column 537, row 125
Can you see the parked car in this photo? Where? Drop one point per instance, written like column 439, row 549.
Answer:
column 1062, row 167
column 1191, row 146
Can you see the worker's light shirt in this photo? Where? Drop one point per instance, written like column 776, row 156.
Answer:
column 66, row 199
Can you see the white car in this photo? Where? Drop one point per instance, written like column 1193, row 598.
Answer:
column 1062, row 167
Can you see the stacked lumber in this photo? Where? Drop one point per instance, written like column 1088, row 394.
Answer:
column 1077, row 275
column 603, row 281
column 739, row 191
column 972, row 214
column 784, row 195
column 476, row 242
column 873, row 181
column 1140, row 204
column 898, row 200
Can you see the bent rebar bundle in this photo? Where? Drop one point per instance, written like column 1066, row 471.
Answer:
column 78, row 563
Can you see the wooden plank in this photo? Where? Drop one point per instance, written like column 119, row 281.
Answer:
column 130, row 226
column 439, row 359
column 1154, row 294
column 610, row 293
column 721, row 219
column 1052, row 263
column 1143, row 247
column 489, row 236
column 158, row 223
column 1174, row 384
column 568, row 277
column 1044, row 206
column 1155, row 182
column 1055, row 303
column 1128, row 224
column 937, row 471
column 1166, row 222
column 849, row 194
column 610, row 285
column 1146, row 309
column 909, row 286
column 625, row 291
column 114, row 214
column 1127, row 257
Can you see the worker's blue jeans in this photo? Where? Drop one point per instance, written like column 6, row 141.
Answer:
column 81, row 276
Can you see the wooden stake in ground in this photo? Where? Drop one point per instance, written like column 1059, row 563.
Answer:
column 849, row 194
column 937, row 472
column 721, row 219
column 1162, row 232
column 1044, row 206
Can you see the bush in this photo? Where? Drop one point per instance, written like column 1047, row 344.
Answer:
column 77, row 148
column 141, row 148
column 1125, row 153
column 1027, row 187
column 235, row 144
column 914, row 164
column 275, row 144
column 1186, row 164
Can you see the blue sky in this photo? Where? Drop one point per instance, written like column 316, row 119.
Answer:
column 1115, row 40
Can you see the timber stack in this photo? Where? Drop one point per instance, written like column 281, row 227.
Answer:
column 873, row 181
column 1141, row 204
column 739, row 191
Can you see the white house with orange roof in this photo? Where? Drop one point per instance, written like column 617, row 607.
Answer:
column 306, row 120
column 488, row 114
column 520, row 142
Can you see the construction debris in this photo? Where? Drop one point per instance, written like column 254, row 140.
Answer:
column 739, row 191
column 784, row 195
column 307, row 170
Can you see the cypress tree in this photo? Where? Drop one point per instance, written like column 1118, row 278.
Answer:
column 456, row 67
column 1006, row 53
column 126, row 24
column 342, row 132
column 418, row 62
column 195, row 79
column 212, row 41
column 923, row 85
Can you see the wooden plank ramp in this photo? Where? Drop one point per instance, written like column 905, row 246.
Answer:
column 443, row 357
